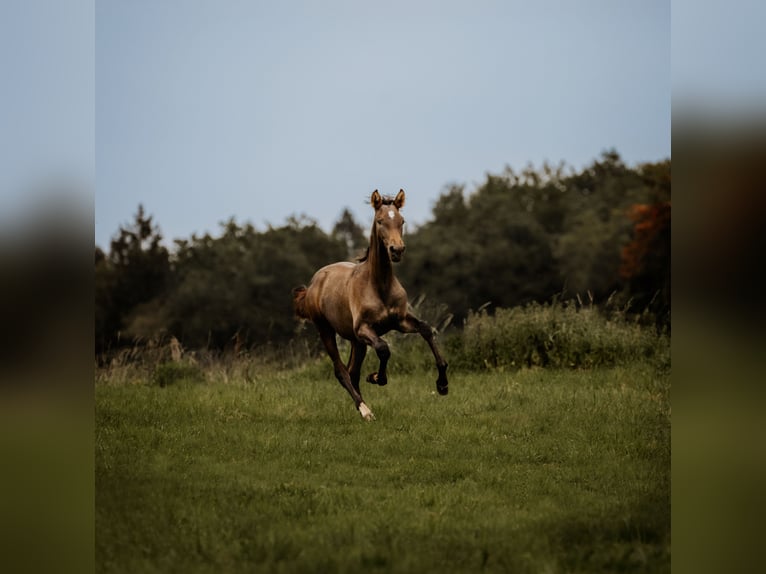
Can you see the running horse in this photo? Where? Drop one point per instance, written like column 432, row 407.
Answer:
column 362, row 301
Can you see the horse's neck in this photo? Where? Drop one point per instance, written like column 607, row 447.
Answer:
column 381, row 269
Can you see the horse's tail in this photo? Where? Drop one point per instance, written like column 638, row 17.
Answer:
column 299, row 302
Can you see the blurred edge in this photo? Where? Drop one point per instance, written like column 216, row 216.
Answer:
column 46, row 385
column 47, row 155
column 719, row 149
column 719, row 240
column 718, row 340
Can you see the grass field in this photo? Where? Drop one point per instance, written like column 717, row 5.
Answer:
column 520, row 471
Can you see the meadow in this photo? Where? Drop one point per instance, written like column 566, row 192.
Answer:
column 243, row 466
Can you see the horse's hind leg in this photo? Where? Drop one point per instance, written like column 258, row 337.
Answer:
column 412, row 324
column 327, row 334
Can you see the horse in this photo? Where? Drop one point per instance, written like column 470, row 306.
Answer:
column 364, row 300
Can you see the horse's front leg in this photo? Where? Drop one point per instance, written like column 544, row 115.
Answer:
column 367, row 334
column 355, row 360
column 411, row 324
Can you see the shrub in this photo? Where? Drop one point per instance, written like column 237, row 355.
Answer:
column 557, row 334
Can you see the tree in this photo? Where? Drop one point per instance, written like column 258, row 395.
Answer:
column 350, row 233
column 645, row 265
column 239, row 284
column 489, row 249
column 588, row 253
column 135, row 272
column 522, row 237
column 516, row 238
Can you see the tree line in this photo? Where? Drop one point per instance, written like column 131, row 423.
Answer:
column 600, row 233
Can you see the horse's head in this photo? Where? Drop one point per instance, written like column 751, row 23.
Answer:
column 388, row 223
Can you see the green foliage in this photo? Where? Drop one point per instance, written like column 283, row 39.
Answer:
column 486, row 250
column 235, row 289
column 529, row 471
column 560, row 335
column 523, row 237
column 589, row 251
column 517, row 239
column 135, row 272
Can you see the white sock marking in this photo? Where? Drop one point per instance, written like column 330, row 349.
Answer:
column 365, row 411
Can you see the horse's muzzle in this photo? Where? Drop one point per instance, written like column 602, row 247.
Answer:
column 396, row 253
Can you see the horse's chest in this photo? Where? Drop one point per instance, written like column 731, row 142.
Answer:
column 388, row 316
column 387, row 321
column 382, row 310
column 385, row 316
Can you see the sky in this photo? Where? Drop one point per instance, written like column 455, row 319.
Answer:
column 260, row 110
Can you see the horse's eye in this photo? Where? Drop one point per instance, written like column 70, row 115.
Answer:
column 379, row 221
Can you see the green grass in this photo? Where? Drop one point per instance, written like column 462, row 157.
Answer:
column 527, row 471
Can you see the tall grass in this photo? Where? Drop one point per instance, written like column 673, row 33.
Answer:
column 556, row 334
column 559, row 334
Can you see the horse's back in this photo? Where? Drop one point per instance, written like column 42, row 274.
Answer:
column 332, row 276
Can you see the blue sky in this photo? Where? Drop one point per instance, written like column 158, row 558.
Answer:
column 260, row 110
column 206, row 110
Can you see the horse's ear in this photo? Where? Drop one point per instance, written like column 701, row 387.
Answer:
column 399, row 199
column 376, row 201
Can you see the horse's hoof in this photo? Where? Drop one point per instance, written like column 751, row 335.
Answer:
column 373, row 379
column 366, row 413
column 443, row 390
